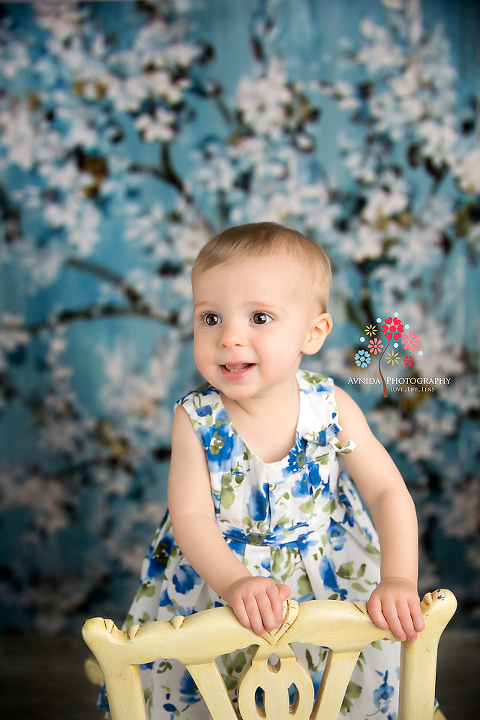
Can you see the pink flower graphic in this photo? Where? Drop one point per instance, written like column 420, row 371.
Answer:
column 408, row 360
column 392, row 327
column 375, row 346
column 411, row 341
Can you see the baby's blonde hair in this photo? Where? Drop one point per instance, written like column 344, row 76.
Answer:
column 263, row 238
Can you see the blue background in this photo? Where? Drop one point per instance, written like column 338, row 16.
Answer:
column 354, row 121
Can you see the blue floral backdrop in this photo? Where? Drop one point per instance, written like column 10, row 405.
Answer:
column 132, row 132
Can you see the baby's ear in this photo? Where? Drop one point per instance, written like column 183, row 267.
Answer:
column 319, row 330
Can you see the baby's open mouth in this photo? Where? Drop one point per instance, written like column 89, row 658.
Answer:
column 237, row 367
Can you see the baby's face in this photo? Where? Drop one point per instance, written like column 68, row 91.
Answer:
column 252, row 323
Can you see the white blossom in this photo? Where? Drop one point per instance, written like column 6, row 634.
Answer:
column 438, row 141
column 366, row 242
column 463, row 394
column 438, row 213
column 145, row 229
column 181, row 54
column 61, row 17
column 462, row 520
column 382, row 204
column 12, row 334
column 188, row 238
column 417, row 249
column 65, row 177
column 13, row 59
column 18, row 135
column 262, row 101
column 158, row 126
column 120, row 546
column 466, row 169
column 389, row 425
column 381, row 52
column 160, row 84
column 217, row 174
column 361, row 167
column 80, row 219
column 139, row 395
column 128, row 95
column 46, row 496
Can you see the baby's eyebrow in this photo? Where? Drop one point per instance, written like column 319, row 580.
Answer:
column 267, row 306
column 202, row 303
column 250, row 304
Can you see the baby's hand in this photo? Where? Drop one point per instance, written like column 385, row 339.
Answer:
column 395, row 604
column 258, row 603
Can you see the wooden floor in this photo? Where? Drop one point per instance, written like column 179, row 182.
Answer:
column 43, row 679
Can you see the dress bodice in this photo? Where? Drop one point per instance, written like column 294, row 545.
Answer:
column 272, row 503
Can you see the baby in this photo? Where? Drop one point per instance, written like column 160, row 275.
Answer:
column 260, row 508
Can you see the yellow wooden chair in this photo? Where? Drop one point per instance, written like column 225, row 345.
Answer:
column 197, row 640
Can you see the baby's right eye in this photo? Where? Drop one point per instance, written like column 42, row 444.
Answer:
column 210, row 319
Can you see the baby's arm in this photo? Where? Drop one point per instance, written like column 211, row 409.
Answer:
column 394, row 603
column 256, row 601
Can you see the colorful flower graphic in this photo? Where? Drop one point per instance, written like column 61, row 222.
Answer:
column 411, row 341
column 362, row 358
column 371, row 330
column 375, row 346
column 392, row 327
column 393, row 358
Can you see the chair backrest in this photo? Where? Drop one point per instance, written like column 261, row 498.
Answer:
column 196, row 641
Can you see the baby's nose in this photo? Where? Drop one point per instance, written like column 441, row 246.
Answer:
column 232, row 334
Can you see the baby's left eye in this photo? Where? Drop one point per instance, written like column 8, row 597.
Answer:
column 261, row 318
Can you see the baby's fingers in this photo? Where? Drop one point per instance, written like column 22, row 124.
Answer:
column 277, row 594
column 389, row 616
column 258, row 603
column 417, row 617
column 262, row 613
column 400, row 621
column 374, row 607
column 244, row 605
column 397, row 616
column 406, row 620
column 240, row 611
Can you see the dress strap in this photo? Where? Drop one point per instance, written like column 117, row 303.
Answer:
column 321, row 418
column 223, row 446
column 347, row 447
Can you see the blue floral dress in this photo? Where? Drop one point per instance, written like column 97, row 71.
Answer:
column 300, row 521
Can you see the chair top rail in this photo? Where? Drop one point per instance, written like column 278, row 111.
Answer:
column 339, row 625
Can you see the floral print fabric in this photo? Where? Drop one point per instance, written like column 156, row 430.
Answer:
column 300, row 521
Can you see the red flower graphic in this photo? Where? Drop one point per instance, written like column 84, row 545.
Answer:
column 392, row 327
column 408, row 360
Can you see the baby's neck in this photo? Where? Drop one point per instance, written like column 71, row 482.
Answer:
column 268, row 428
